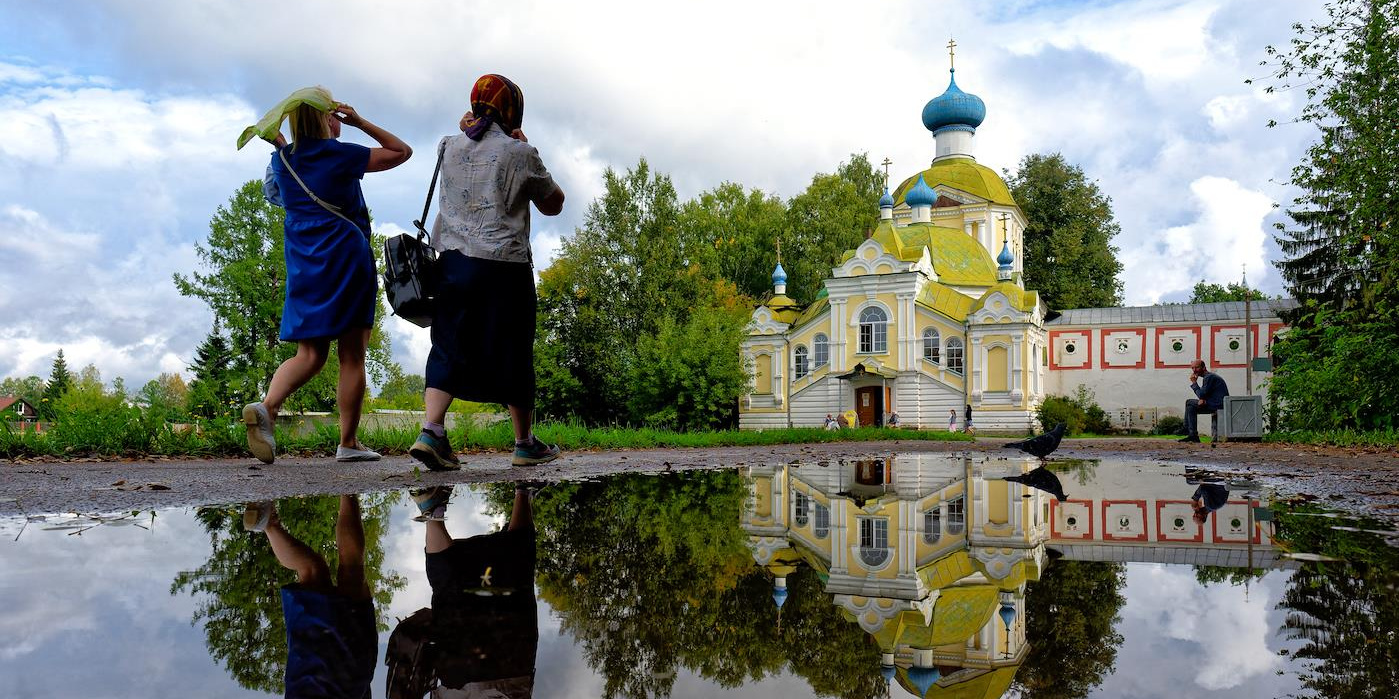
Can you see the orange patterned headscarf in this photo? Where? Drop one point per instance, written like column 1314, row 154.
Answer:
column 495, row 100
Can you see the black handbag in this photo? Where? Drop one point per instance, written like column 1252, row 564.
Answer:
column 410, row 267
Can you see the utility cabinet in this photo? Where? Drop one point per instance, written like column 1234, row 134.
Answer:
column 1243, row 418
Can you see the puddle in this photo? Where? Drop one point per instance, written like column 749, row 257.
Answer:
column 922, row 575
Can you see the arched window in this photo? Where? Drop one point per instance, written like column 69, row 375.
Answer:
column 932, row 525
column 956, row 516
column 874, row 541
column 932, row 341
column 822, row 527
column 802, row 365
column 954, row 354
column 821, row 350
column 802, row 506
column 874, row 334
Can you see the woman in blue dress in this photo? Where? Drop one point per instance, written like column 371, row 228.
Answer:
column 331, row 284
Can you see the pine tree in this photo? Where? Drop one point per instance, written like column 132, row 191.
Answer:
column 60, row 380
column 209, row 393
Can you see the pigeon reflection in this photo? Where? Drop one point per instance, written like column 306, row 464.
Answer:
column 479, row 637
column 1041, row 478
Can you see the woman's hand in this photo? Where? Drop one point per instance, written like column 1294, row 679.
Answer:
column 519, row 135
column 347, row 115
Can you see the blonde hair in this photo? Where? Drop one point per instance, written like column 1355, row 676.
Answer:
column 308, row 122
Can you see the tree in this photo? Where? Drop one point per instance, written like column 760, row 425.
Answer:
column 59, row 383
column 732, row 234
column 401, row 391
column 245, row 288
column 1068, row 253
column 1205, row 292
column 210, row 394
column 1070, row 615
column 1342, row 261
column 166, row 395
column 831, row 216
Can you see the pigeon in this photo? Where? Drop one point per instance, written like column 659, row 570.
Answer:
column 1044, row 479
column 1041, row 446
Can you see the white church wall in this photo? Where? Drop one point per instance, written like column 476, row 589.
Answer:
column 1146, row 368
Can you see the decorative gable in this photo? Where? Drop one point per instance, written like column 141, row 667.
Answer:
column 996, row 307
column 765, row 323
column 871, row 258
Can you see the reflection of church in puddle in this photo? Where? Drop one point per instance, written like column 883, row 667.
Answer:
column 931, row 554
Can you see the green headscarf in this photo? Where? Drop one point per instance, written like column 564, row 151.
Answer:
column 271, row 123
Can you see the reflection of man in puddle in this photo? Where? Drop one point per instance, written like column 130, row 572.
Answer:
column 478, row 639
column 331, row 636
column 1208, row 498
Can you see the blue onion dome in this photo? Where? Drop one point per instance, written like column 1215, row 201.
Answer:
column 1007, row 613
column 888, row 672
column 779, row 275
column 923, row 678
column 1005, row 259
column 954, row 108
column 886, row 201
column 779, row 596
column 920, row 194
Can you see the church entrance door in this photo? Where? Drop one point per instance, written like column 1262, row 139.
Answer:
column 869, row 405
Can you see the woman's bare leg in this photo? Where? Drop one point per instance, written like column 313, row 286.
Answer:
column 349, row 394
column 349, row 544
column 436, row 402
column 438, row 538
column 295, row 372
column 522, row 420
column 311, row 569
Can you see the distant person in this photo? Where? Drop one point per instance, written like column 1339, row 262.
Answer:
column 952, row 420
column 967, row 424
column 1209, row 398
column 831, row 423
column 484, row 318
column 481, row 634
column 1208, row 497
column 332, row 288
column 332, row 637
column 893, row 419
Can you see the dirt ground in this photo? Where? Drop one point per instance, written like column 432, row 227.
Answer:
column 1353, row 480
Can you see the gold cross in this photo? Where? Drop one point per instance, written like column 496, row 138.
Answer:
column 486, row 577
column 952, row 53
column 887, row 162
column 779, row 251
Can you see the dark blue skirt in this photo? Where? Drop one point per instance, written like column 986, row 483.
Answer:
column 483, row 331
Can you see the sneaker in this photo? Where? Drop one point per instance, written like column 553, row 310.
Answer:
column 535, row 453
column 1194, row 439
column 356, row 453
column 435, row 452
column 431, row 502
column 261, row 440
column 257, row 515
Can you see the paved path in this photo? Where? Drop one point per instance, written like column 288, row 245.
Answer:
column 1354, row 480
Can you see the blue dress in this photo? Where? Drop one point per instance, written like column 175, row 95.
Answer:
column 332, row 284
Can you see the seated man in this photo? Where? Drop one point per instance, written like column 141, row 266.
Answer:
column 1209, row 497
column 1209, row 398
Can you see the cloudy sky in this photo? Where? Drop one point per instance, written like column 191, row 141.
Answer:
column 118, row 118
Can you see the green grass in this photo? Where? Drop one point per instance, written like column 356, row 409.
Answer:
column 1338, row 438
column 113, row 437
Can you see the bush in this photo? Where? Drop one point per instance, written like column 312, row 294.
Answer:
column 1079, row 414
column 1170, row 424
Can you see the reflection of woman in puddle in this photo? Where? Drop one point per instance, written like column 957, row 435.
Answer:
column 1208, row 498
column 331, row 636
column 480, row 636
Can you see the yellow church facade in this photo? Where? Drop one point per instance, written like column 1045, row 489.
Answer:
column 926, row 317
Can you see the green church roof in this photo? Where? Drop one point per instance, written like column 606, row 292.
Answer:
column 957, row 257
column 963, row 174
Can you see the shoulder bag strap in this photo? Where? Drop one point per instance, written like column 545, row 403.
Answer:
column 326, row 205
column 432, row 187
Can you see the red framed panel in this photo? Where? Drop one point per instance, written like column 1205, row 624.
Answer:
column 1266, row 339
column 1215, row 355
column 1162, row 331
column 1256, row 534
column 1086, row 334
column 1107, row 526
column 1162, row 531
column 1055, row 533
column 1103, row 348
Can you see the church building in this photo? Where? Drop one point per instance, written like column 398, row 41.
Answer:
column 930, row 315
